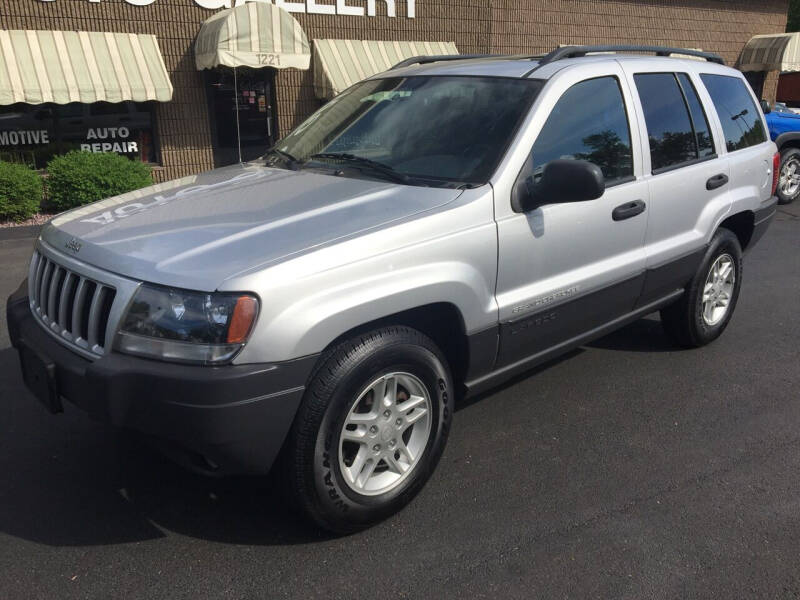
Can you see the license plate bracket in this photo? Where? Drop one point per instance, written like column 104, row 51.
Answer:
column 39, row 374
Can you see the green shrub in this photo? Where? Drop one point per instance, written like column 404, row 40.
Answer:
column 20, row 192
column 78, row 178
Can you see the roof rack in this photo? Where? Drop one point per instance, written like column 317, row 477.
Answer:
column 562, row 53
column 423, row 60
column 579, row 51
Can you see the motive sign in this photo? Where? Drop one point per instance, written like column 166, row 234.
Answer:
column 24, row 138
column 353, row 8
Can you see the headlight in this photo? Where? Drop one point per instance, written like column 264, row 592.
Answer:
column 180, row 325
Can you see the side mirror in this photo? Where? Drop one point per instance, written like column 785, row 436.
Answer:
column 766, row 107
column 562, row 180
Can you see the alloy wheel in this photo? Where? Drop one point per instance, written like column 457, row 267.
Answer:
column 718, row 289
column 790, row 177
column 385, row 433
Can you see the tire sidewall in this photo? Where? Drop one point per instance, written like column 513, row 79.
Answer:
column 335, row 497
column 724, row 242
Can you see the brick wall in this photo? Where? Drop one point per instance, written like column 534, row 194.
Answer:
column 476, row 26
column 721, row 26
column 536, row 26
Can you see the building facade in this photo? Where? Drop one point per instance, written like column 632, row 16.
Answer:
column 193, row 130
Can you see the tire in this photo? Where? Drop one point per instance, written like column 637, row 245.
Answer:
column 324, row 466
column 686, row 321
column 790, row 165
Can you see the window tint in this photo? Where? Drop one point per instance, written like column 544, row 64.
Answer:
column 669, row 127
column 702, row 132
column 741, row 120
column 589, row 122
column 440, row 129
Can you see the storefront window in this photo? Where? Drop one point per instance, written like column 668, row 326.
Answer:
column 33, row 134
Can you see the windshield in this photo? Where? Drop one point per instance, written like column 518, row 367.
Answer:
column 422, row 129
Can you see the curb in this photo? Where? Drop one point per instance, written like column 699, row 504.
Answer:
column 18, row 233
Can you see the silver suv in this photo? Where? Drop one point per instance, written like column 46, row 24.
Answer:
column 431, row 232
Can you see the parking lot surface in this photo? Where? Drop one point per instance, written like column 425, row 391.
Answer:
column 628, row 468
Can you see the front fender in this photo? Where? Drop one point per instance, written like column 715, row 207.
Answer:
column 307, row 303
column 309, row 325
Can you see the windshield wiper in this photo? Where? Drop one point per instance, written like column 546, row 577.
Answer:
column 374, row 165
column 292, row 162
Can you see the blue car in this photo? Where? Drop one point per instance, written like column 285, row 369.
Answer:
column 784, row 129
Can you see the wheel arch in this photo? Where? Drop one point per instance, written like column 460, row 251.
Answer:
column 742, row 224
column 442, row 322
column 790, row 139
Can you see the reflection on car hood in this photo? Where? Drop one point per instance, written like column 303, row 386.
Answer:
column 198, row 231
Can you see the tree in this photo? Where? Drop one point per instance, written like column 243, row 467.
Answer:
column 793, row 22
column 607, row 152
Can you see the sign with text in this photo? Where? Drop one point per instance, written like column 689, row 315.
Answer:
column 353, row 8
column 35, row 133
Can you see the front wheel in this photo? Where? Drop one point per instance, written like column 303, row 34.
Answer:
column 789, row 178
column 371, row 428
column 707, row 305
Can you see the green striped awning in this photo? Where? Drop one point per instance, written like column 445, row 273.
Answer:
column 771, row 52
column 338, row 64
column 255, row 34
column 72, row 66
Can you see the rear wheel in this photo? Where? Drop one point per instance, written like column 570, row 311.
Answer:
column 789, row 179
column 371, row 428
column 707, row 305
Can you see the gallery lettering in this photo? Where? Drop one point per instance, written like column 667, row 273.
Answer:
column 354, row 8
column 24, row 138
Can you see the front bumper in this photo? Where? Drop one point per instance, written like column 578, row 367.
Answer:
column 218, row 420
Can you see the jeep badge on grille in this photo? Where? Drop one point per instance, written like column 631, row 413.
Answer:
column 73, row 245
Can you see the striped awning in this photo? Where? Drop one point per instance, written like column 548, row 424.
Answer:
column 338, row 64
column 772, row 52
column 71, row 66
column 255, row 34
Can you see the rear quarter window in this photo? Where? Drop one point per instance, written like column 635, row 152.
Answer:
column 740, row 118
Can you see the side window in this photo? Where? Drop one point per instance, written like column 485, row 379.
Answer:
column 669, row 124
column 705, row 143
column 588, row 122
column 741, row 120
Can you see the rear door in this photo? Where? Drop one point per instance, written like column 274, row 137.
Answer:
column 687, row 175
column 744, row 138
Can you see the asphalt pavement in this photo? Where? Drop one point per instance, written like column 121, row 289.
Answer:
column 626, row 469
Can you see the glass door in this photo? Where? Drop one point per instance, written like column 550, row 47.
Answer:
column 254, row 102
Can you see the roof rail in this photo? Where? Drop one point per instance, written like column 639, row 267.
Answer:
column 423, row 60
column 578, row 51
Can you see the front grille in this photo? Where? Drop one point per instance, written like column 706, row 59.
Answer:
column 73, row 306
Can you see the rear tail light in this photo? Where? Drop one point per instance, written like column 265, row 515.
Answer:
column 776, row 171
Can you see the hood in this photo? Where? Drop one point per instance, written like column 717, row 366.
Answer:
column 198, row 231
column 784, row 115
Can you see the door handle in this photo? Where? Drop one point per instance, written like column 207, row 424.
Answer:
column 717, row 181
column 628, row 210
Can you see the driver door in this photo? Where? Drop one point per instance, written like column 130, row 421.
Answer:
column 567, row 268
